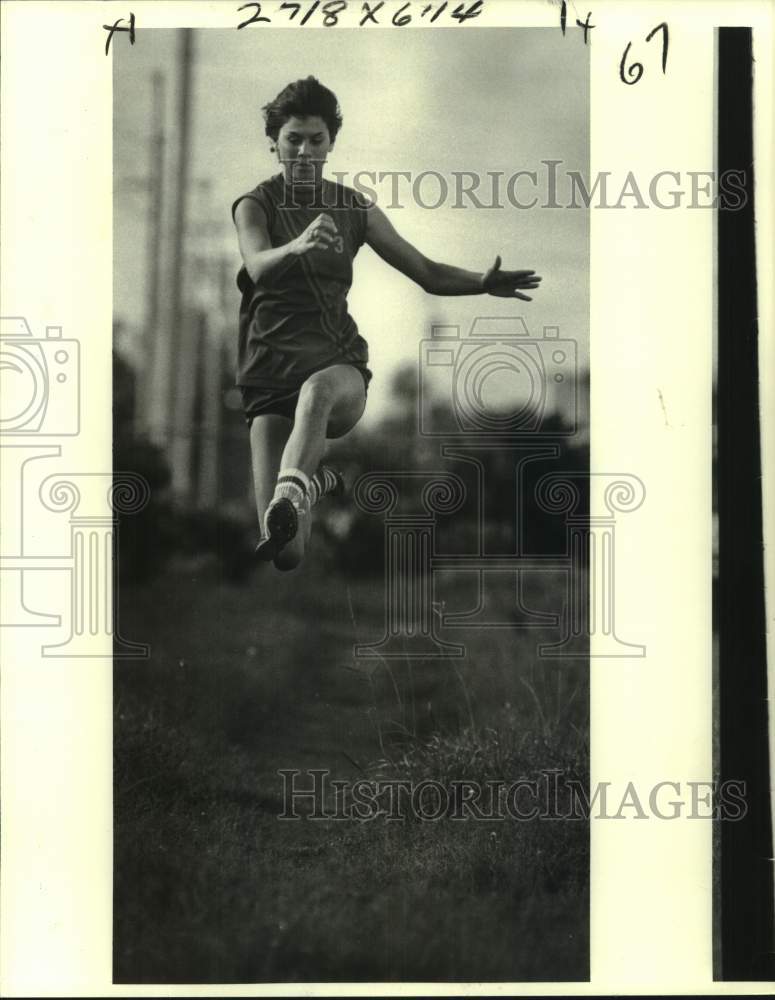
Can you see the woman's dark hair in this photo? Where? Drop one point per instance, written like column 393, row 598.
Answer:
column 303, row 99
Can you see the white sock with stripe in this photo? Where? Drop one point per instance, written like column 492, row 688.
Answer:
column 324, row 481
column 293, row 485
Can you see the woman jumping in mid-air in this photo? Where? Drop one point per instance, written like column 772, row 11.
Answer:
column 302, row 365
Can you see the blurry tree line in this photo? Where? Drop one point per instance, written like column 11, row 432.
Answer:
column 167, row 529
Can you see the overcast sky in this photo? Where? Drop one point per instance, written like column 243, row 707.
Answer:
column 452, row 99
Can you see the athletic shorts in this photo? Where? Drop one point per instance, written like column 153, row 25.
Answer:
column 259, row 400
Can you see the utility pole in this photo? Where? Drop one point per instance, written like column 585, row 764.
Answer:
column 180, row 368
column 151, row 333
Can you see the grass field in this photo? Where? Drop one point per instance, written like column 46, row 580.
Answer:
column 210, row 886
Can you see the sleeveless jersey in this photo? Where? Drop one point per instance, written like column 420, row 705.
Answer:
column 295, row 321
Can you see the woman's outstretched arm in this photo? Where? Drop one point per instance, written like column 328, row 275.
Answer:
column 442, row 279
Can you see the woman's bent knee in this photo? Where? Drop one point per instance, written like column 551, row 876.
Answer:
column 316, row 397
column 336, row 395
column 343, row 419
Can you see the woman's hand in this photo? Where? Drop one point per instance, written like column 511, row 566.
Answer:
column 318, row 235
column 441, row 279
column 506, row 284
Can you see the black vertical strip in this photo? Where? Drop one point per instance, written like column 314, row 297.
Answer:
column 746, row 886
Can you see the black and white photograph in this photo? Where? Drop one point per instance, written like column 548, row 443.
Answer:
column 350, row 354
column 386, row 428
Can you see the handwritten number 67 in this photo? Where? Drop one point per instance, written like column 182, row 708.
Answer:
column 635, row 70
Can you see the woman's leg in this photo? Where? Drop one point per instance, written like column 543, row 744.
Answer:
column 269, row 434
column 331, row 402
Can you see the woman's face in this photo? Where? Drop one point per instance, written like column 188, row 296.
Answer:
column 302, row 147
